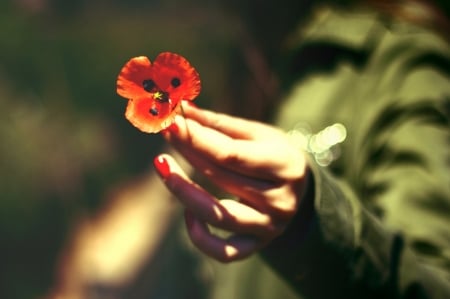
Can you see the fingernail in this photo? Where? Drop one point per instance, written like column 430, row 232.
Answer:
column 162, row 166
column 173, row 128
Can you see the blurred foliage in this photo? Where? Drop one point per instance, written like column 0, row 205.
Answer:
column 64, row 139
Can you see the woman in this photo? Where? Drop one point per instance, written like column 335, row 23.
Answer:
column 354, row 201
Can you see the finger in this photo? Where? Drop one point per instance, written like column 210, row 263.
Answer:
column 233, row 127
column 224, row 215
column 265, row 196
column 231, row 181
column 227, row 250
column 264, row 159
column 251, row 221
column 191, row 195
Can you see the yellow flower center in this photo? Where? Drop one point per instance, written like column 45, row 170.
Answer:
column 158, row 95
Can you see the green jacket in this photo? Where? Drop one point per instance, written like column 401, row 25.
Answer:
column 369, row 99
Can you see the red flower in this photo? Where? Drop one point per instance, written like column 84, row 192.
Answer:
column 154, row 91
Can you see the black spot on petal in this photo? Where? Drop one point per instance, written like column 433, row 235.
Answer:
column 175, row 82
column 149, row 85
column 153, row 111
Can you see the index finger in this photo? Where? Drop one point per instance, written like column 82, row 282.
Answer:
column 260, row 158
column 231, row 126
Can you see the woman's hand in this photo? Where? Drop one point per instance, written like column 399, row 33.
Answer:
column 253, row 161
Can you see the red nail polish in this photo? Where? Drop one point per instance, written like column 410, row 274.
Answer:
column 173, row 128
column 162, row 166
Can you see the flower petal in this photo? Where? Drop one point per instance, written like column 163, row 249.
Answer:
column 155, row 90
column 131, row 77
column 170, row 66
column 139, row 113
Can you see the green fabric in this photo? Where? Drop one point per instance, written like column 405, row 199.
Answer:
column 382, row 224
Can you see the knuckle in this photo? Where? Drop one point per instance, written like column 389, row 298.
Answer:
column 228, row 156
column 285, row 212
column 284, row 206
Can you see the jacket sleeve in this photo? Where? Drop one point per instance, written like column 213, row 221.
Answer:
column 380, row 228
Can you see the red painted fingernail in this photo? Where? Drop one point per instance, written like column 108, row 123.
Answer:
column 173, row 128
column 162, row 166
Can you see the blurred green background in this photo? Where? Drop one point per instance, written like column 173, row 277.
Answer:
column 64, row 139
